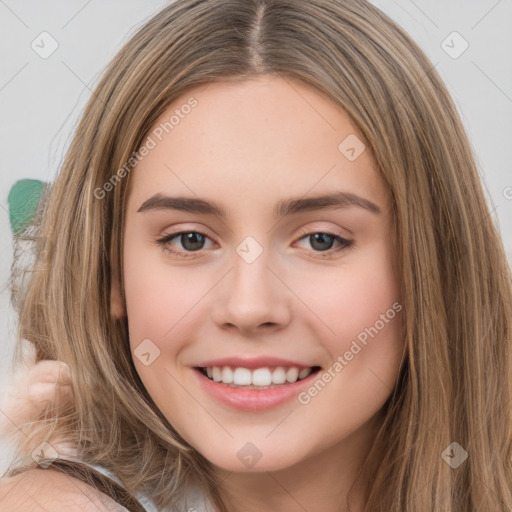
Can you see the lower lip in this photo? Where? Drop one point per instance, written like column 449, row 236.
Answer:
column 253, row 399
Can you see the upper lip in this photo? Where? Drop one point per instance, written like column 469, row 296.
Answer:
column 253, row 362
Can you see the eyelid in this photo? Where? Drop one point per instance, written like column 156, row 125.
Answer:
column 319, row 229
column 194, row 228
column 345, row 242
column 165, row 240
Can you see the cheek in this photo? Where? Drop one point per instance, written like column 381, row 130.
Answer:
column 352, row 297
column 157, row 295
column 359, row 310
column 160, row 307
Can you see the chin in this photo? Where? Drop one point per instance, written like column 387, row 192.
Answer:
column 251, row 456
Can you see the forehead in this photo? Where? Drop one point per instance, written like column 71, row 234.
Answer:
column 266, row 137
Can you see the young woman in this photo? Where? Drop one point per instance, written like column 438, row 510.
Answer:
column 270, row 268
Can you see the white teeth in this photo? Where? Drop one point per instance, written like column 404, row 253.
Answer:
column 262, row 377
column 279, row 375
column 216, row 375
column 227, row 375
column 304, row 373
column 241, row 376
column 292, row 374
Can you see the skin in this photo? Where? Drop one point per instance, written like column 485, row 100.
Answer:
column 247, row 145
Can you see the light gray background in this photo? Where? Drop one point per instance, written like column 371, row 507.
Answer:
column 41, row 99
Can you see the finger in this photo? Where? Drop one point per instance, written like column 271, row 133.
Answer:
column 50, row 371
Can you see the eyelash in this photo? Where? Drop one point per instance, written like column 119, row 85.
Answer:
column 164, row 243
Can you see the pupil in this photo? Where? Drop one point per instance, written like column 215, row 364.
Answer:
column 190, row 241
column 320, row 236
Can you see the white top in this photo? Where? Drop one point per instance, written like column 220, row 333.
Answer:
column 196, row 501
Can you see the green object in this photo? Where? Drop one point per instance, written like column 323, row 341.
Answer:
column 23, row 202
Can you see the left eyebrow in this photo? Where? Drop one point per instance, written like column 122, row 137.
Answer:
column 329, row 201
column 281, row 209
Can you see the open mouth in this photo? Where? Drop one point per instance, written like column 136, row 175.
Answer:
column 259, row 378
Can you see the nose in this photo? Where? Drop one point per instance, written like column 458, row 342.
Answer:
column 252, row 297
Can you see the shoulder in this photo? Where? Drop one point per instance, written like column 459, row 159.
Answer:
column 41, row 490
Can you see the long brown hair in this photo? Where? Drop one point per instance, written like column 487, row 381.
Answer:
column 456, row 285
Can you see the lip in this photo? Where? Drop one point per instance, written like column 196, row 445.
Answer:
column 253, row 400
column 254, row 362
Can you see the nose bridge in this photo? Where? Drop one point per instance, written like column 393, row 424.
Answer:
column 252, row 279
column 253, row 295
column 251, row 267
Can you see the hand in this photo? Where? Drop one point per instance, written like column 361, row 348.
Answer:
column 35, row 391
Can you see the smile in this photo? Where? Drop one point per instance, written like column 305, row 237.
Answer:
column 259, row 378
column 254, row 390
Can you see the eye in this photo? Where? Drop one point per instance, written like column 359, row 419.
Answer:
column 323, row 241
column 192, row 241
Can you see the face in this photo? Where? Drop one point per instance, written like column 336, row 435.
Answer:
column 249, row 274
